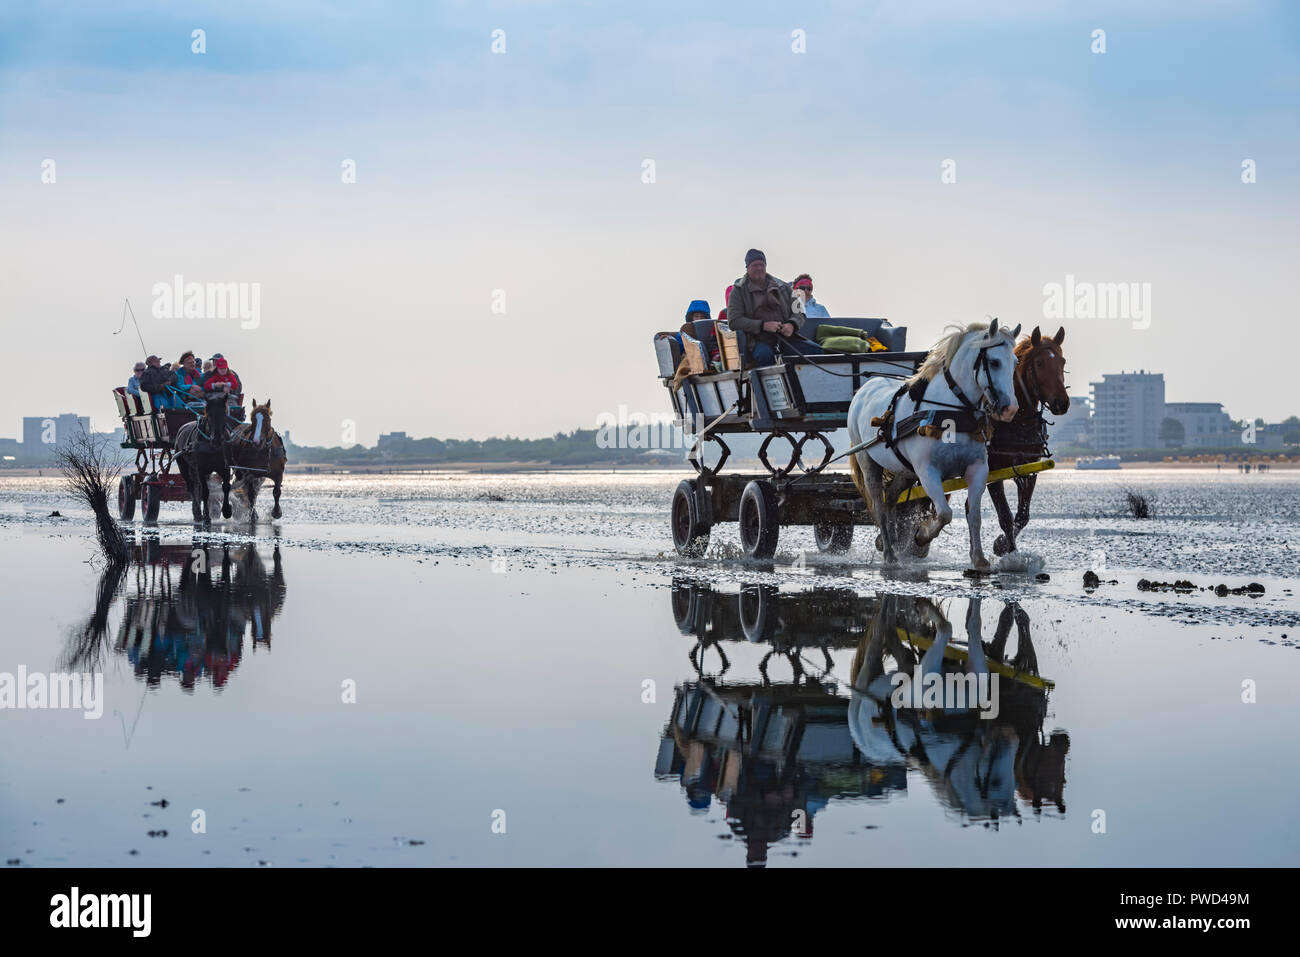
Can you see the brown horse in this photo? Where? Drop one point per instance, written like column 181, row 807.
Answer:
column 257, row 451
column 1040, row 380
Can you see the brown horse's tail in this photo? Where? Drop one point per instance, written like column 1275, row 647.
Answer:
column 859, row 482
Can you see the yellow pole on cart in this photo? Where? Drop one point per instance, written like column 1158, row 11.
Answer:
column 1001, row 475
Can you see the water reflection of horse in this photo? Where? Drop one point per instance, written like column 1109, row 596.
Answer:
column 186, row 610
column 776, row 753
column 975, row 764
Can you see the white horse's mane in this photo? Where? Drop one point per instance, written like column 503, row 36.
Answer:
column 945, row 349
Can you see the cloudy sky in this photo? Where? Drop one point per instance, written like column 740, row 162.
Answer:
column 522, row 172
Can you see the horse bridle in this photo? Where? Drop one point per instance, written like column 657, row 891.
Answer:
column 1034, row 396
column 981, row 362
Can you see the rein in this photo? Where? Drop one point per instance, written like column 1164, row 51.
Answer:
column 1032, row 432
column 836, row 352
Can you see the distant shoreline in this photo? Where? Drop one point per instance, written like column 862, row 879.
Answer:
column 506, row 468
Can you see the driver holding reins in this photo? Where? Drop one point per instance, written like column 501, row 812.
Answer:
column 223, row 379
column 761, row 307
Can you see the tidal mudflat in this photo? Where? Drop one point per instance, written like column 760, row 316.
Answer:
column 477, row 670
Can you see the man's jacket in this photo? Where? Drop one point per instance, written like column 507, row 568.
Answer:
column 743, row 307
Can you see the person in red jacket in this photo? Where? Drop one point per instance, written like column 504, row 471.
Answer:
column 223, row 379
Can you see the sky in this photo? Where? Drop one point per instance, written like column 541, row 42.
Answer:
column 500, row 264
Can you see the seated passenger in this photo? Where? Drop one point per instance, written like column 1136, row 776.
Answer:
column 133, row 383
column 811, row 307
column 187, row 385
column 156, row 382
column 726, row 300
column 697, row 310
column 760, row 306
column 223, row 379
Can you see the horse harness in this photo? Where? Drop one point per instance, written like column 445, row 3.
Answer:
column 967, row 417
column 242, row 436
column 1025, row 436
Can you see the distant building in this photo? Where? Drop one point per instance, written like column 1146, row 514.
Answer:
column 390, row 439
column 1127, row 409
column 1073, row 428
column 42, row 435
column 1259, row 438
column 1197, row 425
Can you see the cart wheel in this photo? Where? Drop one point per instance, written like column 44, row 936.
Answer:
column 126, row 498
column 911, row 516
column 833, row 539
column 757, row 612
column 759, row 519
column 152, row 501
column 685, row 607
column 690, row 519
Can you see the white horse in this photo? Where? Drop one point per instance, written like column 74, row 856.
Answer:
column 979, row 361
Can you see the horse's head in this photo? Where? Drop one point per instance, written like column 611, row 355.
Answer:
column 1041, row 369
column 214, row 408
column 985, row 363
column 260, row 421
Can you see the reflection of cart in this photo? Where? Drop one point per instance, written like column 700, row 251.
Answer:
column 150, row 432
column 797, row 400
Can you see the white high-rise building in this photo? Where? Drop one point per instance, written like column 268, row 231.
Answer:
column 1126, row 411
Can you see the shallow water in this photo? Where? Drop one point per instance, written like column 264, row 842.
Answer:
column 526, row 651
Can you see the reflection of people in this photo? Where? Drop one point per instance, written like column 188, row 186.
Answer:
column 193, row 627
column 775, row 754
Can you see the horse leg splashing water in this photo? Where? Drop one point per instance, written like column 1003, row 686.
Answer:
column 258, row 447
column 967, row 379
column 1040, row 381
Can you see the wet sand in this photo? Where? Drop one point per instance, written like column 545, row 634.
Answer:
column 530, row 645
